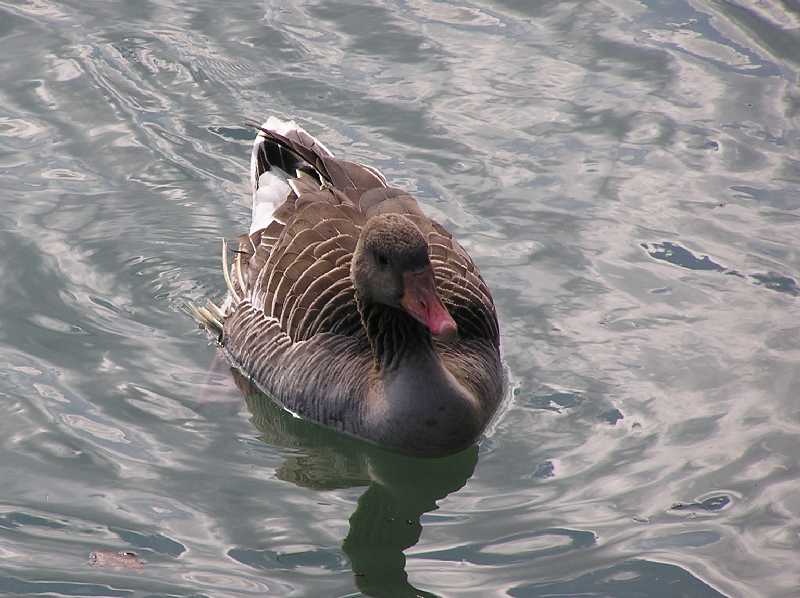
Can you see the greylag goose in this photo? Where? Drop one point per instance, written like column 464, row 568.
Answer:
column 350, row 307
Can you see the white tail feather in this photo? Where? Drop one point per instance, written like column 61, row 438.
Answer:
column 270, row 188
column 272, row 192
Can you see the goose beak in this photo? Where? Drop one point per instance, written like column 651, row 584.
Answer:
column 422, row 302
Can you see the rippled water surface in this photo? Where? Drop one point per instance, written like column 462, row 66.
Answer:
column 626, row 174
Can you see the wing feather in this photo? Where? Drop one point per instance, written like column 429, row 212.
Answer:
column 294, row 274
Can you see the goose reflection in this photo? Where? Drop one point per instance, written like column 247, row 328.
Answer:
column 400, row 489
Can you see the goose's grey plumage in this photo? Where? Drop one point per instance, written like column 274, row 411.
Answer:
column 345, row 299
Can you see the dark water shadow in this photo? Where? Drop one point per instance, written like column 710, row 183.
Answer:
column 399, row 491
column 676, row 255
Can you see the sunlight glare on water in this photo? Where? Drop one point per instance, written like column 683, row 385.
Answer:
column 626, row 175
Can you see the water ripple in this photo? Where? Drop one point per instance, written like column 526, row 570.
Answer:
column 624, row 174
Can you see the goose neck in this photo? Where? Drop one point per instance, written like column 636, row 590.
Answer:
column 395, row 337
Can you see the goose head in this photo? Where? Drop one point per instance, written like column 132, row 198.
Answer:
column 391, row 267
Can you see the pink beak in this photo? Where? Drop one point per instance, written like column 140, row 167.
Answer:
column 422, row 302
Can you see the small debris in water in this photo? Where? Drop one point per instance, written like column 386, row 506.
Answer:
column 711, row 504
column 544, row 470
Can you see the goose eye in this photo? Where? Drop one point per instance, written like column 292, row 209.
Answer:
column 382, row 260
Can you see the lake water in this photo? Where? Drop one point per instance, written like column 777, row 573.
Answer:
column 627, row 175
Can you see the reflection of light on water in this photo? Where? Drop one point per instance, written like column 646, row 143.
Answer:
column 528, row 544
column 505, row 404
column 555, row 141
column 290, row 412
column 50, row 392
column 96, row 429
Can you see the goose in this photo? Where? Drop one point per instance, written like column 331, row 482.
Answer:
column 349, row 307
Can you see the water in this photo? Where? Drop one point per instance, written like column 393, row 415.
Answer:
column 625, row 173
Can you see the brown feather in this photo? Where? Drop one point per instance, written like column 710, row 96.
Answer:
column 299, row 317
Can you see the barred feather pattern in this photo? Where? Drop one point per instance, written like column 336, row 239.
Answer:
column 291, row 321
